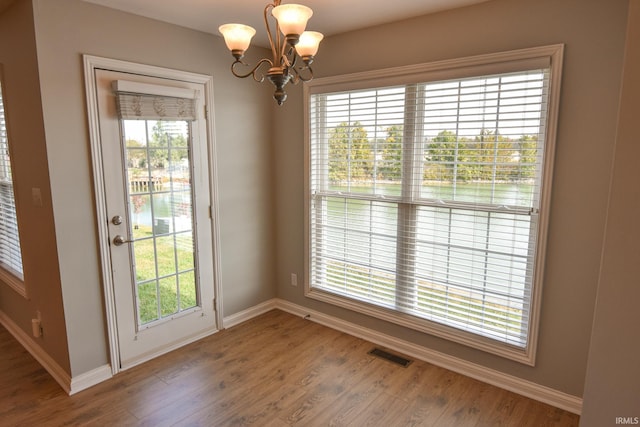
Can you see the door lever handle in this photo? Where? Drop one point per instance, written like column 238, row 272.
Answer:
column 120, row 240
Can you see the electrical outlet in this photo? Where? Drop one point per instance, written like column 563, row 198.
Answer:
column 294, row 279
column 36, row 325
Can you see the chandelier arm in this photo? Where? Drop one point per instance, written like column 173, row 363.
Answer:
column 267, row 12
column 295, row 74
column 278, row 47
column 299, row 71
column 284, row 57
column 304, row 79
column 254, row 70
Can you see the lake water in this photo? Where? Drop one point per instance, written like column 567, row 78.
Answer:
column 508, row 194
column 172, row 208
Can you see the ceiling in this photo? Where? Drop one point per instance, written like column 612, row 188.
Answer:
column 330, row 16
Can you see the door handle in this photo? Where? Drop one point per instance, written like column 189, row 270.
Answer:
column 120, row 240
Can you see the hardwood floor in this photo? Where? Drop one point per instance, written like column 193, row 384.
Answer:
column 275, row 370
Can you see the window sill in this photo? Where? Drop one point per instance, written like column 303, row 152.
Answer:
column 525, row 356
column 13, row 282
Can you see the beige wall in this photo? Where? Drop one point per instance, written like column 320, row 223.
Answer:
column 612, row 387
column 594, row 34
column 66, row 29
column 29, row 161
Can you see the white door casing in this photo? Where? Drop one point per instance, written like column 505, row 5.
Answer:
column 130, row 341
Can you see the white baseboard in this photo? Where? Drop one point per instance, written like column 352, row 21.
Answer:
column 499, row 379
column 69, row 385
column 91, row 378
column 250, row 313
column 61, row 376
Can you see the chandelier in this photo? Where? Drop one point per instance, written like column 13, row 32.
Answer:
column 297, row 44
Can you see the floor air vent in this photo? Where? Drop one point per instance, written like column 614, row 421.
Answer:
column 399, row 360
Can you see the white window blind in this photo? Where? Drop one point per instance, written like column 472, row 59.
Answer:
column 424, row 201
column 10, row 254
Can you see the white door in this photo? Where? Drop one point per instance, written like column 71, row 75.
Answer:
column 158, row 202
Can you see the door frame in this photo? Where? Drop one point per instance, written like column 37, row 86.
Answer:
column 92, row 63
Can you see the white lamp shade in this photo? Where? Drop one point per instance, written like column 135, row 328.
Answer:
column 292, row 18
column 309, row 42
column 237, row 36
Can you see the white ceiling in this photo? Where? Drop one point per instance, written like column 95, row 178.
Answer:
column 330, row 16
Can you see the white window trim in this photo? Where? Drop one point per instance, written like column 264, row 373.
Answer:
column 13, row 282
column 13, row 279
column 448, row 69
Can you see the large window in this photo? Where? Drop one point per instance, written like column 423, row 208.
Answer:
column 427, row 195
column 10, row 255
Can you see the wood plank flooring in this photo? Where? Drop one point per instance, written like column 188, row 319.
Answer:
column 274, row 370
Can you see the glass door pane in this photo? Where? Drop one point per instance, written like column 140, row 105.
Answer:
column 159, row 186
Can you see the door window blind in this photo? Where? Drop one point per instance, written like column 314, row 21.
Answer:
column 424, row 200
column 10, row 253
column 150, row 107
column 139, row 101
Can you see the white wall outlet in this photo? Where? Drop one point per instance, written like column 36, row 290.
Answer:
column 36, row 329
column 294, row 279
column 36, row 325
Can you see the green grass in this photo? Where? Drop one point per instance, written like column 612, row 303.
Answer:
column 171, row 289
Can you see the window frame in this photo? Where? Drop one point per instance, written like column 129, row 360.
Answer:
column 14, row 279
column 480, row 65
